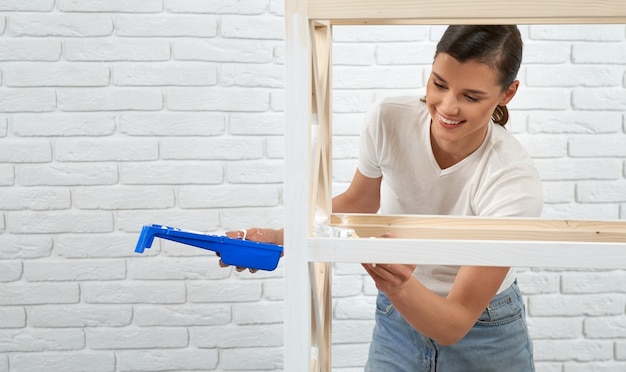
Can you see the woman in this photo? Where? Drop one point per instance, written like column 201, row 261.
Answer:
column 447, row 154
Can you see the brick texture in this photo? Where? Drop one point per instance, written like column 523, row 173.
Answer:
column 115, row 114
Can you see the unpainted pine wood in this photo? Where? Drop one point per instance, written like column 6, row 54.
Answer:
column 460, row 11
column 481, row 228
column 321, row 326
column 321, row 41
column 320, row 273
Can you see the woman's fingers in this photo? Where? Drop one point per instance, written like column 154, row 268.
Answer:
column 237, row 268
column 254, row 234
column 389, row 277
column 237, row 234
column 379, row 271
column 241, row 268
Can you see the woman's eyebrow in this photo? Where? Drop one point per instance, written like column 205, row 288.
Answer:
column 439, row 77
column 472, row 91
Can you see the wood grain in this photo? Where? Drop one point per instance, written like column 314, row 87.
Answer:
column 479, row 228
column 465, row 12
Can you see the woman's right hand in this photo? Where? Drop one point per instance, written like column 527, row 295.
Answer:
column 258, row 235
column 255, row 234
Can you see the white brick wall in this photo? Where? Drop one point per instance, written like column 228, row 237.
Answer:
column 115, row 114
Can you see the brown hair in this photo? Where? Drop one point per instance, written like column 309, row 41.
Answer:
column 498, row 46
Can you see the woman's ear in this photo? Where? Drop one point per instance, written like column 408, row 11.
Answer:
column 509, row 93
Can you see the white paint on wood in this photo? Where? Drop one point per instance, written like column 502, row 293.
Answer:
column 301, row 202
column 470, row 252
column 297, row 324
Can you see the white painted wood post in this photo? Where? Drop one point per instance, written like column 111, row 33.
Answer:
column 297, row 324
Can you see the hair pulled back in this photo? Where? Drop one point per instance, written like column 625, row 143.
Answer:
column 498, row 46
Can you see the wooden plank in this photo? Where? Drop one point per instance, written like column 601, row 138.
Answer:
column 470, row 252
column 321, row 41
column 297, row 324
column 479, row 21
column 321, row 322
column 320, row 273
column 481, row 228
column 461, row 11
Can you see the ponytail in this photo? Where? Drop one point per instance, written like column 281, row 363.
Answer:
column 500, row 115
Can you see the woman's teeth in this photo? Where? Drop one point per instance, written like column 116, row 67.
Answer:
column 449, row 122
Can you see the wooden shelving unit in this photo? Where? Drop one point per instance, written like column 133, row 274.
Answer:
column 427, row 240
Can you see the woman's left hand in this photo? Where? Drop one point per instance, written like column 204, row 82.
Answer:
column 390, row 278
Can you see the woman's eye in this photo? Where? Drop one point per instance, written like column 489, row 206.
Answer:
column 440, row 86
column 471, row 99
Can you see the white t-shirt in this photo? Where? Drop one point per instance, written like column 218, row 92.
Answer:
column 496, row 180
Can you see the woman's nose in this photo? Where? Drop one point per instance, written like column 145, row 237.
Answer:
column 449, row 104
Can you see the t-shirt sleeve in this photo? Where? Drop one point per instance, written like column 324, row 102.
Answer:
column 514, row 191
column 370, row 145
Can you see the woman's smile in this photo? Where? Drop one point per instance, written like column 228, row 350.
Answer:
column 449, row 122
column 461, row 97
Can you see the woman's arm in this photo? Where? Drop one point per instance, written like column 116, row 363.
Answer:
column 445, row 320
column 362, row 196
column 515, row 191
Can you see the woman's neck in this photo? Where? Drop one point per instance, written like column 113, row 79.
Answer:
column 449, row 153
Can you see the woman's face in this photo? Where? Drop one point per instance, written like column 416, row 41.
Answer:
column 461, row 98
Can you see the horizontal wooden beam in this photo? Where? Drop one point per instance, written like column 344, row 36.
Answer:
column 481, row 228
column 469, row 252
column 467, row 12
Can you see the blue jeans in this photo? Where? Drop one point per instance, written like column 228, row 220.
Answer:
column 498, row 341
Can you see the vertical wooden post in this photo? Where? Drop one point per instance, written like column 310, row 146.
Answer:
column 297, row 347
column 321, row 41
column 307, row 101
column 320, row 198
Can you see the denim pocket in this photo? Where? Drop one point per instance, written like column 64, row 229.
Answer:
column 505, row 308
column 384, row 307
